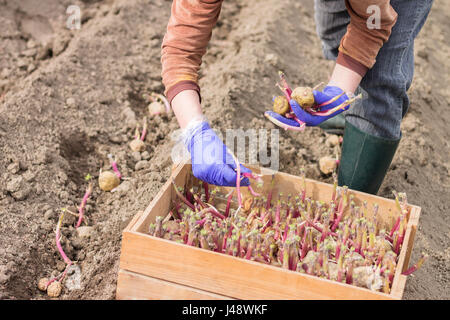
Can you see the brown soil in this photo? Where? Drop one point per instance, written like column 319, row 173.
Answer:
column 68, row 98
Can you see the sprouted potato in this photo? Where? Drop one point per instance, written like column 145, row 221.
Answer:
column 137, row 145
column 280, row 105
column 54, row 289
column 108, row 180
column 304, row 97
column 42, row 284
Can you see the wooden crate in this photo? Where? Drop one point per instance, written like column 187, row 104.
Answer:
column 155, row 268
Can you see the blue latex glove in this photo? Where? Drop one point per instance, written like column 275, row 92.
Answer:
column 331, row 98
column 210, row 159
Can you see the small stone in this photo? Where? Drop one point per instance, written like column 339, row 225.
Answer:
column 14, row 167
column 71, row 102
column 421, row 141
column 70, row 219
column 123, row 188
column 29, row 176
column 29, row 52
column 49, row 214
column 81, row 255
column 4, row 277
column 64, row 195
column 23, row 165
column 327, row 165
column 85, row 232
column 423, row 54
column 77, row 244
column 54, row 289
column 60, row 44
column 31, row 44
column 44, row 52
column 73, row 280
column 14, row 184
column 130, row 117
column 271, row 59
column 332, row 140
column 141, row 165
column 22, row 63
column 136, row 156
column 60, row 266
column 145, row 155
column 23, row 193
column 42, row 284
column 5, row 73
column 31, row 67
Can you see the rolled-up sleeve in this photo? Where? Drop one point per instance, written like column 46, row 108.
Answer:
column 188, row 33
column 360, row 45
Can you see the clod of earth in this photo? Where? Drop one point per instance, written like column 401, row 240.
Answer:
column 333, row 140
column 327, row 164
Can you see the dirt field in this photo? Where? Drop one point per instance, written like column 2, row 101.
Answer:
column 68, row 98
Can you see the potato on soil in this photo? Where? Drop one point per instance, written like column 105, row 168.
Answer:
column 108, row 181
column 327, row 165
column 155, row 108
column 42, row 284
column 304, row 97
column 280, row 105
column 54, row 289
column 137, row 145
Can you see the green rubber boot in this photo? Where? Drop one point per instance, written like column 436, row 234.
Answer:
column 334, row 125
column 365, row 159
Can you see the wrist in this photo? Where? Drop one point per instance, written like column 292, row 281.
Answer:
column 193, row 130
column 345, row 78
column 187, row 108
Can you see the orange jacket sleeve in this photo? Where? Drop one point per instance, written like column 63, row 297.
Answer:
column 360, row 45
column 190, row 28
column 188, row 33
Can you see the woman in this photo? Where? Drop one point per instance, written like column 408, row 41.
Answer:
column 372, row 43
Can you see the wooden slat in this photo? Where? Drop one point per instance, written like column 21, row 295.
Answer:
column 399, row 283
column 227, row 275
column 414, row 223
column 133, row 286
column 162, row 201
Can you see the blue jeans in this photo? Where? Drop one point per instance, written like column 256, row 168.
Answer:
column 384, row 86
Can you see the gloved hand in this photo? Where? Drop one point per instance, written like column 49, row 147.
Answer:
column 210, row 159
column 330, row 102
